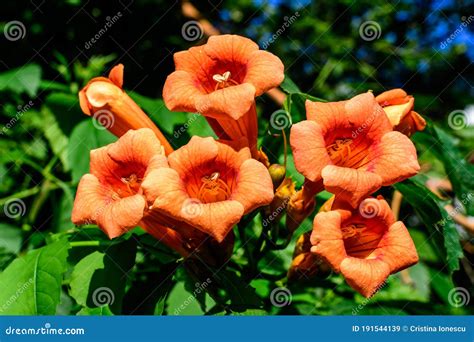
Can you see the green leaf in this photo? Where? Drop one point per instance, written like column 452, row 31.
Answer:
column 100, row 278
column 65, row 107
column 84, row 138
column 31, row 285
column 295, row 105
column 440, row 225
column 181, row 301
column 24, row 79
column 458, row 170
column 289, row 86
column 10, row 238
column 100, row 311
column 56, row 138
column 157, row 111
column 82, row 275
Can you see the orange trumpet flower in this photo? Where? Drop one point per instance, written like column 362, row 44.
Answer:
column 105, row 100
column 209, row 186
column 365, row 245
column 350, row 148
column 220, row 80
column 111, row 195
column 398, row 106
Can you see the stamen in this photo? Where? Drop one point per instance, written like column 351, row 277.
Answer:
column 352, row 230
column 213, row 189
column 223, row 80
column 133, row 185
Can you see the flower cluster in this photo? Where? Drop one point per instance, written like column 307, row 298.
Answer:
column 191, row 198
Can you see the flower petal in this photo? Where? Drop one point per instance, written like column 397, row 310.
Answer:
column 94, row 204
column 136, row 146
column 396, row 248
column 180, row 92
column 350, row 185
column 309, row 149
column 326, row 238
column 365, row 276
column 232, row 102
column 264, row 71
column 198, row 151
column 116, row 75
column 394, row 158
column 254, row 186
column 228, row 47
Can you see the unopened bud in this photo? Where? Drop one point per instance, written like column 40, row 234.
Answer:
column 277, row 172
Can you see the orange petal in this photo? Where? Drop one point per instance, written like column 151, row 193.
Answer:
column 365, row 115
column 365, row 276
column 136, row 146
column 195, row 61
column 394, row 158
column 116, row 75
column 264, row 71
column 180, row 92
column 396, row 248
column 390, row 95
column 230, row 48
column 254, row 186
column 397, row 112
column 309, row 149
column 327, row 114
column 326, row 238
column 164, row 188
column 350, row 185
column 94, row 204
column 100, row 93
column 196, row 152
column 216, row 219
column 232, row 102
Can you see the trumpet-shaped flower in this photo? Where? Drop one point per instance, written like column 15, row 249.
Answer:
column 104, row 99
column 209, row 186
column 366, row 245
column 350, row 147
column 220, row 80
column 398, row 106
column 111, row 195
